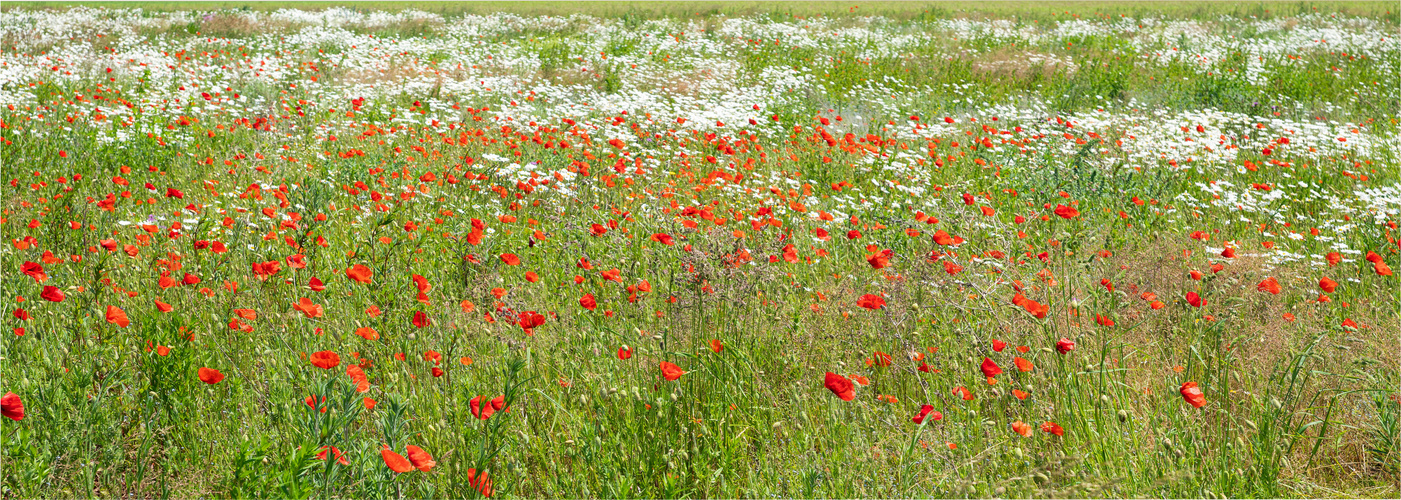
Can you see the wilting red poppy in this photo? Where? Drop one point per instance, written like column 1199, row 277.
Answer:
column 1065, row 345
column 1194, row 299
column 1021, row 428
column 671, row 371
column 11, row 406
column 359, row 273
column 325, row 359
column 421, row 320
column 420, row 459
column 396, row 462
column 871, row 301
column 117, row 316
column 927, row 411
column 1269, row 285
column 210, row 376
column 1192, row 394
column 1053, row 428
column 841, row 386
column 990, row 368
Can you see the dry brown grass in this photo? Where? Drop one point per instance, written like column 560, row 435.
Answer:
column 1020, row 64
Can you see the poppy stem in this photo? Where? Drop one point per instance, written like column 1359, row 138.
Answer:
column 914, row 438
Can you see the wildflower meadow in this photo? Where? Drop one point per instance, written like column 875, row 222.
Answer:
column 688, row 249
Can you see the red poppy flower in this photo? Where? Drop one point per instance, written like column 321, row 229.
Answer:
column 963, row 392
column 52, row 294
column 396, row 462
column 1194, row 299
column 11, row 406
column 311, row 310
column 325, row 359
column 359, row 273
column 998, row 345
column 990, row 368
column 340, row 458
column 483, row 409
column 716, row 346
column 671, row 371
column 663, row 238
column 1052, row 428
column 927, row 411
column 1192, row 394
column 420, row 459
column 1269, row 285
column 841, row 386
column 588, row 302
column 510, row 259
column 34, row 270
column 1103, row 320
column 1021, row 428
column 367, row 333
column 1066, row 212
column 117, row 316
column 1065, row 345
column 1022, row 364
column 479, row 481
column 624, row 352
column 1328, row 285
column 1333, row 258
column 871, row 301
column 210, row 376
column 421, row 320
